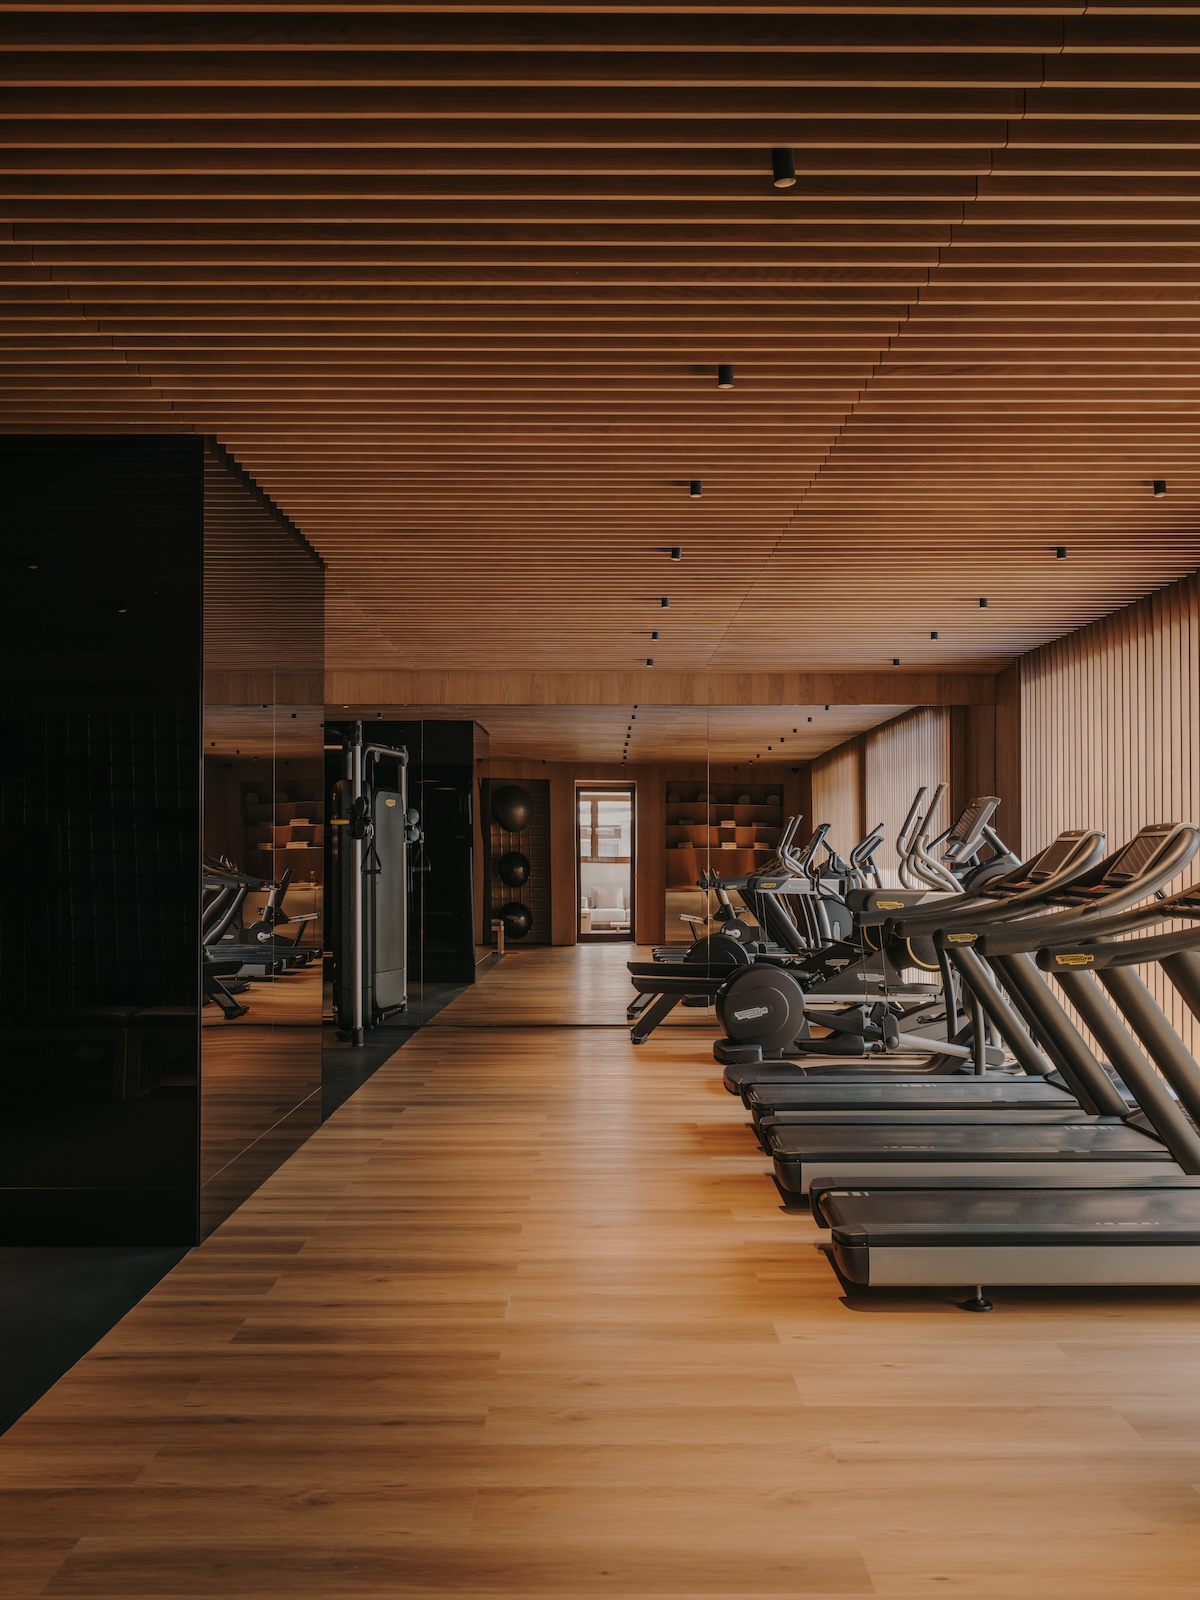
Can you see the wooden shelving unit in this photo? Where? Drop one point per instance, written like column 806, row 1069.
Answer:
column 731, row 827
column 285, row 827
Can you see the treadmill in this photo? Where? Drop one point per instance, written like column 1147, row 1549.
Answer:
column 1068, row 861
column 1144, row 1231
column 1116, row 1141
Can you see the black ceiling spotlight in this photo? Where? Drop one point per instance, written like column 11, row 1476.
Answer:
column 654, row 634
column 933, row 633
column 665, row 601
column 810, row 719
column 1160, row 486
column 1060, row 552
column 724, row 376
column 649, row 661
column 895, row 661
column 695, row 487
column 676, row 552
column 982, row 603
column 783, row 168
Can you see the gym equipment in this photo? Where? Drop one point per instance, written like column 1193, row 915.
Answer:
column 372, row 829
column 758, row 1019
column 1117, row 1141
column 259, row 947
column 513, row 869
column 517, row 919
column 512, row 807
column 1121, row 1233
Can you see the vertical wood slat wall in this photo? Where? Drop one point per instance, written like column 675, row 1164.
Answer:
column 899, row 758
column 873, row 778
column 837, row 795
column 1110, row 734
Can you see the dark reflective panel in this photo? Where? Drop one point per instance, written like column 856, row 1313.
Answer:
column 100, row 823
column 263, row 842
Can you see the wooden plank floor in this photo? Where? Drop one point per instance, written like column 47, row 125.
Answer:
column 525, row 1319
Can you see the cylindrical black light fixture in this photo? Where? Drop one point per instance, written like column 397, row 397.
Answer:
column 725, row 376
column 695, row 487
column 654, row 634
column 665, row 601
column 933, row 633
column 895, row 661
column 982, row 603
column 649, row 661
column 1060, row 552
column 783, row 168
column 1160, row 486
column 676, row 552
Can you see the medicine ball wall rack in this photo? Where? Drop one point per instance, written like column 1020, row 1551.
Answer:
column 518, row 859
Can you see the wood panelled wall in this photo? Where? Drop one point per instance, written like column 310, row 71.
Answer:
column 1110, row 732
column 650, row 785
column 837, row 796
column 873, row 778
column 897, row 759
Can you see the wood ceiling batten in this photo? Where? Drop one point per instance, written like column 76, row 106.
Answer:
column 452, row 283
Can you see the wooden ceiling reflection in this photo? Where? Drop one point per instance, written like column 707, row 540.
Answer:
column 724, row 734
column 453, row 286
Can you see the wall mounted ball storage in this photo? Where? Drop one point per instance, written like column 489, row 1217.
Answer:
column 512, row 807
column 517, row 919
column 513, row 869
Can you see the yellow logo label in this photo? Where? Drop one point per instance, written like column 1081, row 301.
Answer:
column 391, row 803
column 1076, row 958
column 961, row 938
column 889, row 905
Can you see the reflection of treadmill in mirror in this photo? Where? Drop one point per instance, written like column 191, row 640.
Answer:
column 258, row 946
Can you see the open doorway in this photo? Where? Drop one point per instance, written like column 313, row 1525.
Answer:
column 605, row 848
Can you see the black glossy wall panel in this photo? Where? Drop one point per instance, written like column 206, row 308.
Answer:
column 162, row 658
column 100, row 833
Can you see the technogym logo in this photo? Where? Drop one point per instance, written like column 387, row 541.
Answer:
column 749, row 1016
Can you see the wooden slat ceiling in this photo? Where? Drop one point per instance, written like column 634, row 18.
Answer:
column 453, row 283
column 720, row 734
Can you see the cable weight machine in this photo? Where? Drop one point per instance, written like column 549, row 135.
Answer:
column 372, row 829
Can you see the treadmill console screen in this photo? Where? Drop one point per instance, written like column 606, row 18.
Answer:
column 1053, row 858
column 1137, row 855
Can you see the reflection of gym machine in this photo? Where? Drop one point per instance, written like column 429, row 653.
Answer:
column 372, row 828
